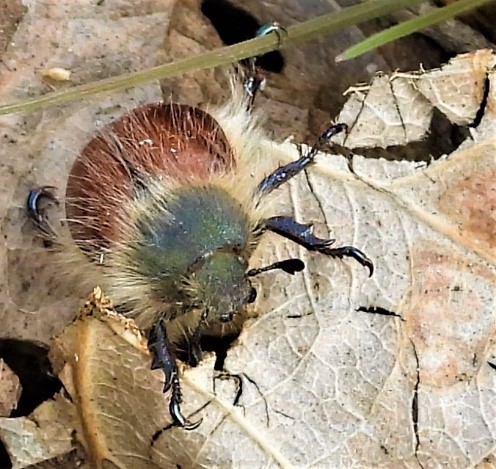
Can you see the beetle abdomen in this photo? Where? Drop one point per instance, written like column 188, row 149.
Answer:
column 175, row 142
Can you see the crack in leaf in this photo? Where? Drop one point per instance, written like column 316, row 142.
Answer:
column 415, row 404
column 378, row 310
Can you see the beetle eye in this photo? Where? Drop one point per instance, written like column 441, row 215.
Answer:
column 252, row 296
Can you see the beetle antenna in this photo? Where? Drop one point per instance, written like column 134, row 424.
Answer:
column 290, row 266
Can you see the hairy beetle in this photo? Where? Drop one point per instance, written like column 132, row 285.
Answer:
column 168, row 203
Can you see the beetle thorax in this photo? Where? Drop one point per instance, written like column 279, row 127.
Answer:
column 188, row 247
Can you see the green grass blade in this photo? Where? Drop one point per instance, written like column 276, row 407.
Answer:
column 297, row 33
column 409, row 27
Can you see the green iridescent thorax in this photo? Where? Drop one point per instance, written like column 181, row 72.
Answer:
column 198, row 251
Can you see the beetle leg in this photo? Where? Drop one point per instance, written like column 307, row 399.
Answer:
column 35, row 212
column 163, row 358
column 225, row 375
column 238, row 379
column 274, row 27
column 252, row 83
column 302, row 234
column 194, row 351
column 194, row 342
column 290, row 170
column 255, row 78
column 290, row 266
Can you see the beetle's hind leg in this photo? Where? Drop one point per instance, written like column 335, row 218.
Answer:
column 36, row 211
column 164, row 358
column 302, row 234
column 254, row 77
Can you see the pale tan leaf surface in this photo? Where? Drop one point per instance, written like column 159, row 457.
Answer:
column 398, row 109
column 342, row 387
column 92, row 41
column 457, row 88
column 10, row 390
column 44, row 435
column 386, row 112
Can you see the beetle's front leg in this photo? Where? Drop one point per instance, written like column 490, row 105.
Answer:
column 302, row 234
column 194, row 342
column 164, row 358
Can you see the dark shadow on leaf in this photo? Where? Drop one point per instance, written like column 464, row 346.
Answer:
column 29, row 361
column 234, row 24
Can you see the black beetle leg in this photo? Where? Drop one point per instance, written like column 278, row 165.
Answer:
column 290, row 170
column 194, row 350
column 255, row 78
column 175, row 408
column 225, row 375
column 34, row 210
column 238, row 379
column 302, row 234
column 163, row 358
column 194, row 342
column 290, row 266
column 273, row 27
column 252, row 83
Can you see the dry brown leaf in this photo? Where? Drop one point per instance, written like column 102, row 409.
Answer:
column 397, row 110
column 10, row 389
column 118, row 401
column 334, row 387
column 44, row 435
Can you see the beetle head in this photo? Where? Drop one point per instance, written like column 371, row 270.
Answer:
column 221, row 284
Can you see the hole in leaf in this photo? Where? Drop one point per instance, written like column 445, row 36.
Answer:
column 234, row 24
column 444, row 138
column 217, row 345
column 5, row 462
column 29, row 361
